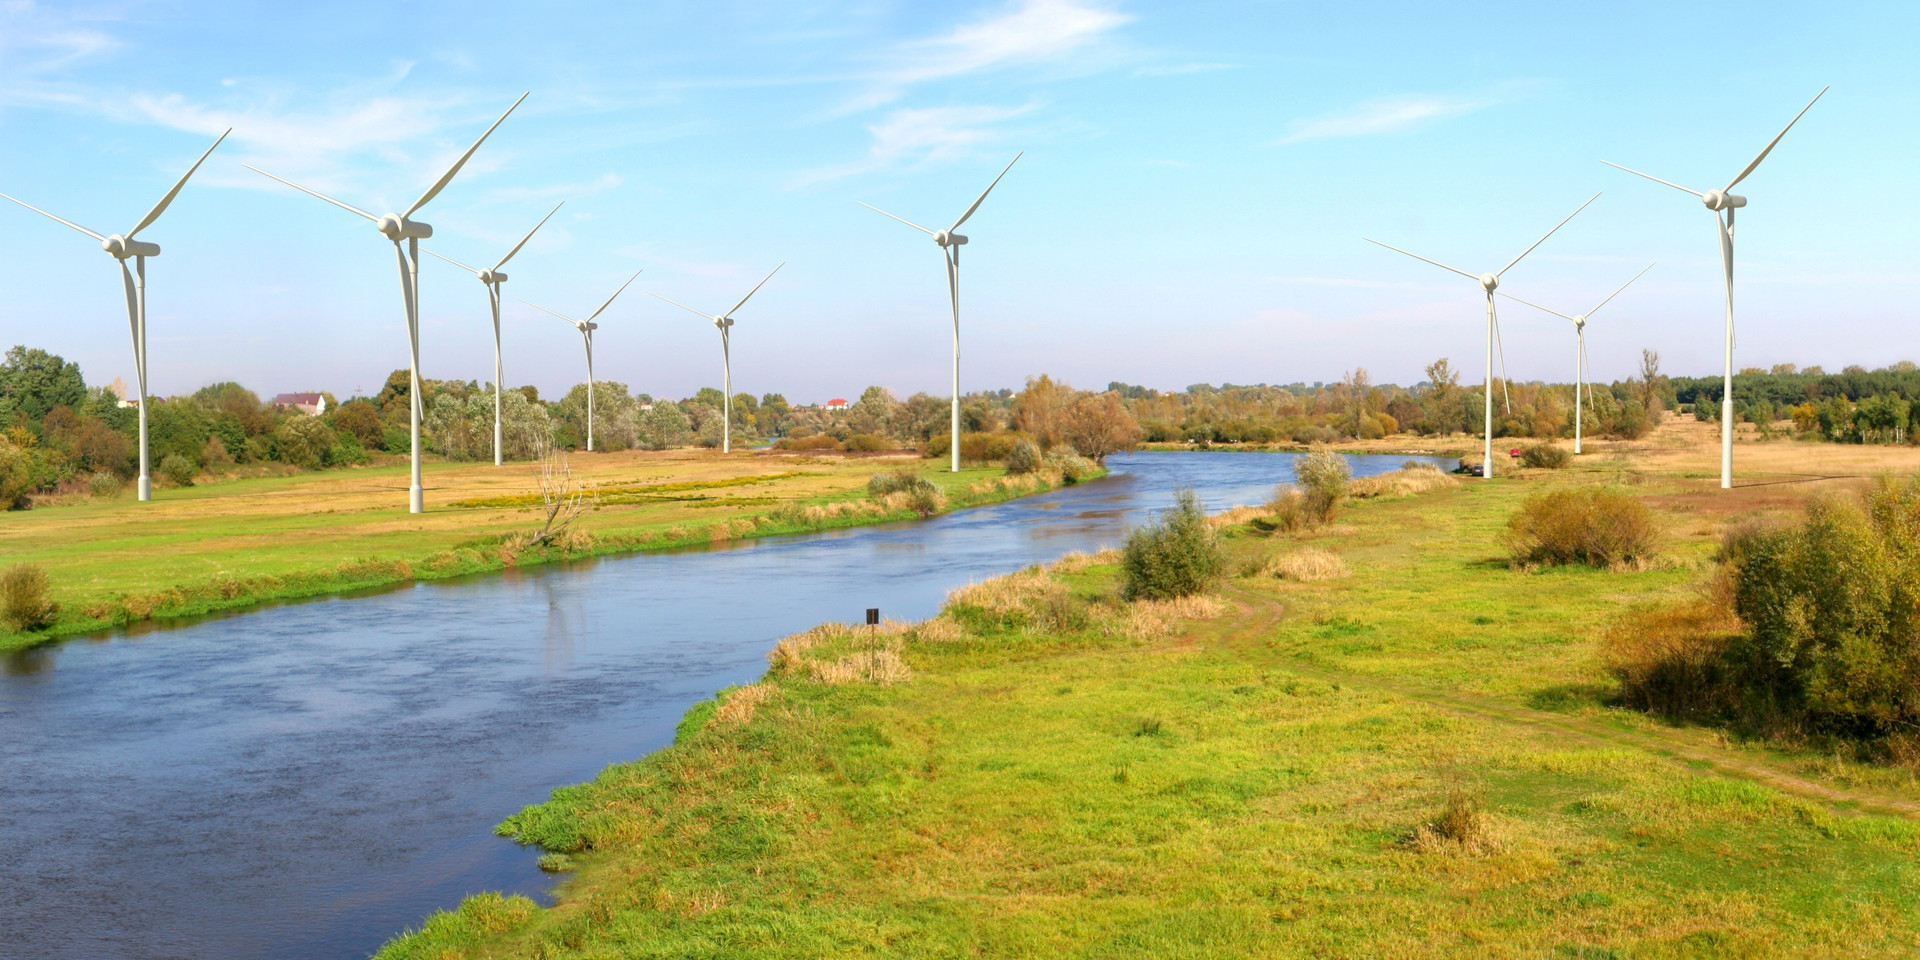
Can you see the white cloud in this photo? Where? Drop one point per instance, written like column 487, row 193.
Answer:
column 1036, row 32
column 1383, row 116
column 912, row 136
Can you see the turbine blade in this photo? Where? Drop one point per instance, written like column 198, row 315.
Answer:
column 683, row 306
column 904, row 220
column 1623, row 286
column 1655, row 179
column 133, row 305
column 1536, row 306
column 161, row 207
column 451, row 260
column 312, row 193
column 529, row 236
column 983, row 193
column 616, row 295
column 556, row 313
column 756, row 289
column 1769, row 149
column 1501, row 346
column 1419, row 257
column 1556, row 229
column 447, row 177
column 1726, row 260
column 50, row 216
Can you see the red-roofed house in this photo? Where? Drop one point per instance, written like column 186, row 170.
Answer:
column 836, row 403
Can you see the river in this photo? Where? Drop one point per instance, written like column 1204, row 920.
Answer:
column 307, row 780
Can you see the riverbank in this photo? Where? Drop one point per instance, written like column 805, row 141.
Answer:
column 1416, row 758
column 226, row 547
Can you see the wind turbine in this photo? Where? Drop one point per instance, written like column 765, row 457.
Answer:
column 397, row 227
column 1721, row 202
column 120, row 246
column 950, row 244
column 586, row 328
column 492, row 277
column 1489, row 282
column 1580, row 345
column 725, row 323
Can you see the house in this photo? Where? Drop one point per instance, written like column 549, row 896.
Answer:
column 837, row 404
column 312, row 404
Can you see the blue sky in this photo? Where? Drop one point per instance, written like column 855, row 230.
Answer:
column 1197, row 180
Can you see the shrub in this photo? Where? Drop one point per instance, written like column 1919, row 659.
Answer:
column 176, row 470
column 1176, row 555
column 1024, row 458
column 1307, row 565
column 819, row 441
column 867, row 443
column 1071, row 466
column 16, row 476
column 1324, row 477
column 1286, row 511
column 23, row 598
column 1587, row 525
column 1673, row 660
column 104, row 485
column 1545, row 456
column 902, row 480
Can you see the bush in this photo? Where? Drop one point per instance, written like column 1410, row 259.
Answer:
column 1071, row 466
column 23, row 598
column 868, row 443
column 1673, row 660
column 176, row 470
column 1025, row 457
column 1587, row 525
column 1176, row 555
column 104, row 485
column 1286, row 511
column 818, row 441
column 16, row 476
column 1324, row 477
column 1545, row 456
column 903, row 480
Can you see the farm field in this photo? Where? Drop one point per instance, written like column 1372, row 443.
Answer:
column 1419, row 758
column 226, row 545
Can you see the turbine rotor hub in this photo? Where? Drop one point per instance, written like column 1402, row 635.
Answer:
column 120, row 247
column 1489, row 282
column 492, row 276
column 1722, row 200
column 948, row 238
column 395, row 227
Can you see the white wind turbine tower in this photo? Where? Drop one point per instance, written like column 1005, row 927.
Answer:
column 120, row 246
column 725, row 323
column 493, row 278
column 397, row 227
column 1723, row 204
column 1580, row 345
column 1489, row 282
column 950, row 244
column 586, row 328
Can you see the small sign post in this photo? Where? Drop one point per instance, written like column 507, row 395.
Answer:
column 873, row 616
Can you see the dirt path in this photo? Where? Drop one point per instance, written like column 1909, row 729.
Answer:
column 1258, row 614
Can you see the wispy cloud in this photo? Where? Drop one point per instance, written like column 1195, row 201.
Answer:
column 1384, row 116
column 917, row 136
column 1033, row 33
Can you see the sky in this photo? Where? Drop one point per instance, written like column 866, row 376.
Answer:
column 1196, row 182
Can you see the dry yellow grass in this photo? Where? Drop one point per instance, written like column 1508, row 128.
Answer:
column 739, row 707
column 1307, row 565
column 1406, row 481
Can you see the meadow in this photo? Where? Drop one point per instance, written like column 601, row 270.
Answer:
column 1409, row 750
column 227, row 545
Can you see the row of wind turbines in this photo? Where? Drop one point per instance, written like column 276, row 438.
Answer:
column 399, row 227
column 1722, row 203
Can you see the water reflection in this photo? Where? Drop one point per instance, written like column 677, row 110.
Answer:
column 308, row 779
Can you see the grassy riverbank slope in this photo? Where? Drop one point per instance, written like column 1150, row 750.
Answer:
column 1413, row 759
column 229, row 545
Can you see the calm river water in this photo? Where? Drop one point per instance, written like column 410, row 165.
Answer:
column 308, row 780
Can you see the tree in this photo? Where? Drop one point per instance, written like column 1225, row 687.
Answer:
column 33, row 381
column 1651, row 384
column 1039, row 409
column 874, row 412
column 1099, row 424
column 1356, row 384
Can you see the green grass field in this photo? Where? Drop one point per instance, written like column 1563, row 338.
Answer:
column 1066, row 778
column 223, row 546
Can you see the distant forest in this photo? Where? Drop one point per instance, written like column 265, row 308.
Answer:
column 58, row 434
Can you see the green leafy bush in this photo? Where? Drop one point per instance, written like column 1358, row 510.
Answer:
column 1024, row 458
column 867, row 443
column 1324, row 479
column 1545, row 456
column 1071, row 466
column 176, row 470
column 24, row 604
column 1583, row 525
column 1176, row 555
column 104, row 485
column 903, row 480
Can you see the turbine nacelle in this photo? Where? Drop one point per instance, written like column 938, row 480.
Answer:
column 723, row 322
column 1722, row 200
column 491, row 276
column 589, row 327
column 395, row 227
column 1490, row 281
column 947, row 238
column 123, row 247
